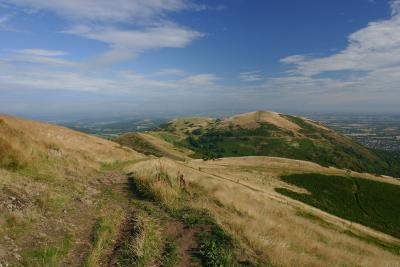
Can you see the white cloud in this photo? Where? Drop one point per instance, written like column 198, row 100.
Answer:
column 250, row 76
column 145, row 27
column 26, row 72
column 171, row 72
column 395, row 5
column 41, row 52
column 366, row 70
column 4, row 22
column 103, row 10
column 169, row 35
column 373, row 47
column 200, row 80
column 40, row 57
column 126, row 44
column 145, row 24
column 294, row 59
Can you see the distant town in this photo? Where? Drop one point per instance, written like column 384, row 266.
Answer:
column 375, row 131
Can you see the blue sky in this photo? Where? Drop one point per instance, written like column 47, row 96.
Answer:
column 77, row 58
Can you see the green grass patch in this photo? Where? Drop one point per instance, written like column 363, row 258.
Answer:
column 190, row 216
column 104, row 231
column 136, row 142
column 170, row 255
column 305, row 127
column 216, row 248
column 168, row 137
column 371, row 203
column 48, row 256
column 143, row 247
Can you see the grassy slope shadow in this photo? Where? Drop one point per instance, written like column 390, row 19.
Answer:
column 371, row 203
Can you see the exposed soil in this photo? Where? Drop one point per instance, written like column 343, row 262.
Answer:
column 125, row 232
column 185, row 240
column 182, row 235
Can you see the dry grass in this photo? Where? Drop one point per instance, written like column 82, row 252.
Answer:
column 253, row 119
column 46, row 190
column 55, row 150
column 240, row 195
column 168, row 149
column 48, row 198
column 182, row 125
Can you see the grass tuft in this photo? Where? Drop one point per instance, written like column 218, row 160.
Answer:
column 49, row 256
column 143, row 247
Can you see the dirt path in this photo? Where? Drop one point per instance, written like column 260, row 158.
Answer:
column 183, row 236
column 125, row 232
column 185, row 240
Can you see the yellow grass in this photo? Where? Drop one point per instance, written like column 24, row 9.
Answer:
column 269, row 225
column 182, row 125
column 56, row 150
column 50, row 193
column 253, row 120
column 54, row 197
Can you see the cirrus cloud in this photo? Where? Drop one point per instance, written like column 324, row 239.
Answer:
column 103, row 10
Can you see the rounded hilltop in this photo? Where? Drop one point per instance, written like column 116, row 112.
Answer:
column 268, row 133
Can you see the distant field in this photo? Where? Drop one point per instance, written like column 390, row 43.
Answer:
column 371, row 203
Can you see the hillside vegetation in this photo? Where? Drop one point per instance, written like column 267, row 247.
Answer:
column 265, row 228
column 272, row 134
column 49, row 200
column 70, row 199
column 372, row 203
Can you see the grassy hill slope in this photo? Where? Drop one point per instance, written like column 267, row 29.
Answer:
column 70, row 199
column 372, row 203
column 265, row 227
column 156, row 144
column 49, row 198
column 271, row 134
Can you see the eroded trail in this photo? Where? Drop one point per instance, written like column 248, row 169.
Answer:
column 185, row 240
column 177, row 244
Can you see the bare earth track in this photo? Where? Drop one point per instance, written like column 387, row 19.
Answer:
column 183, row 236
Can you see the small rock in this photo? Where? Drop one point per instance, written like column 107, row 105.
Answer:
column 17, row 256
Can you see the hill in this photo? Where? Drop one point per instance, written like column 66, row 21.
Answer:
column 47, row 149
column 264, row 133
column 249, row 199
column 71, row 199
column 49, row 200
